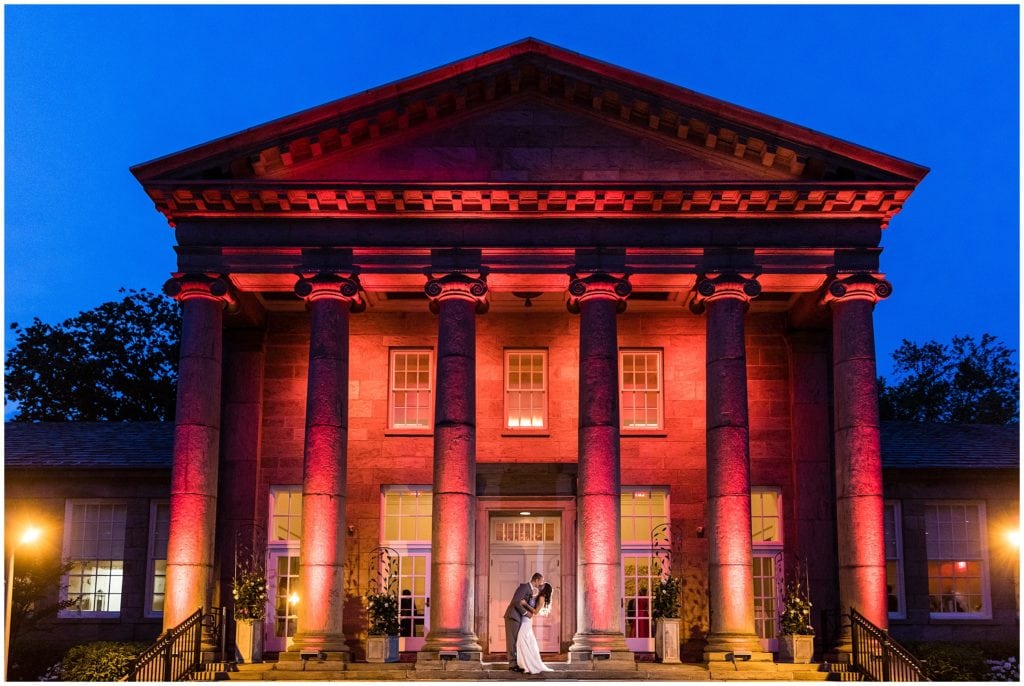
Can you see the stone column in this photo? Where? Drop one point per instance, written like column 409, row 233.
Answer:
column 859, row 501
column 196, row 445
column 239, row 536
column 725, row 299
column 456, row 299
column 324, row 467
column 598, row 298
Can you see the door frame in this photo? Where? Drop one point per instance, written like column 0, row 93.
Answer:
column 561, row 506
column 276, row 549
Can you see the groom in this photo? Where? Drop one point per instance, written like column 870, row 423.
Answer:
column 523, row 602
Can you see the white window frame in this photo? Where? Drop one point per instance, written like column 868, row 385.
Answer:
column 278, row 548
column 152, row 558
column 69, row 506
column 986, row 594
column 401, row 488
column 638, row 548
column 659, row 353
column 769, row 545
column 543, row 428
column 771, row 550
column 901, row 597
column 407, row 548
column 274, row 491
column 431, row 392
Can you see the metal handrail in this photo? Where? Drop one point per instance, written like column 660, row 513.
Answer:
column 878, row 657
column 174, row 656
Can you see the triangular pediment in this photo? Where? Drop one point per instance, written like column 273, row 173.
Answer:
column 526, row 139
column 655, row 110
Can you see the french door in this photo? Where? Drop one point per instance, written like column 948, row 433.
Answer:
column 282, row 598
column 768, row 598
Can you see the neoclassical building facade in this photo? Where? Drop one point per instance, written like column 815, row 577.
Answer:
column 528, row 312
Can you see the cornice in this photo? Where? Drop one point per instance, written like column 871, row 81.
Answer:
column 197, row 200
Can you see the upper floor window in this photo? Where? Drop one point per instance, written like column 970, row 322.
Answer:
column 765, row 515
column 894, row 560
column 640, row 389
column 285, row 513
column 957, row 562
column 409, row 406
column 407, row 514
column 643, row 510
column 526, row 395
column 94, row 546
column 159, row 530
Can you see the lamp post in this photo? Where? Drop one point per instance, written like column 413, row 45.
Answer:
column 29, row 535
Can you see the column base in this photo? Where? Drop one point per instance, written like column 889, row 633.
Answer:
column 315, row 645
column 593, row 648
column 735, row 648
column 450, row 651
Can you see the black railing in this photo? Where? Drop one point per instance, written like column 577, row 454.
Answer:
column 174, row 656
column 879, row 658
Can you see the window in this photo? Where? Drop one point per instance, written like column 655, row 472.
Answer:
column 407, row 514
column 894, row 560
column 526, row 397
column 640, row 389
column 765, row 521
column 159, row 528
column 94, row 545
column 409, row 406
column 405, row 528
column 766, row 537
column 957, row 564
column 644, row 526
column 286, row 513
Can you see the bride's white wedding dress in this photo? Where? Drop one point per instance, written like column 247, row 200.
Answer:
column 527, row 650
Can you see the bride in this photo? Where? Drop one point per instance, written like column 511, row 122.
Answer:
column 527, row 650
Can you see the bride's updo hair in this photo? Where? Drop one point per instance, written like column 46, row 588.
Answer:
column 545, row 591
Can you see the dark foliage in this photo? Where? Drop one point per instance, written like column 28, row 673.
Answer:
column 116, row 362
column 965, row 382
column 964, row 661
column 100, row 661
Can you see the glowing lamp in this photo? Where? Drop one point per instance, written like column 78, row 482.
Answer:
column 525, row 514
column 293, row 599
column 961, row 565
column 1013, row 537
column 31, row 535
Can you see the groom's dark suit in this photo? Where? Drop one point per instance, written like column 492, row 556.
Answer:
column 522, row 602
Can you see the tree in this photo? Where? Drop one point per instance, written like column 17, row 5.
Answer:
column 965, row 382
column 116, row 362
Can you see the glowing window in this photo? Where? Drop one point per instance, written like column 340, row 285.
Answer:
column 894, row 560
column 957, row 562
column 640, row 389
column 640, row 575
column 643, row 511
column 410, row 399
column 94, row 546
column 159, row 528
column 407, row 516
column 285, row 513
column 765, row 515
column 526, row 397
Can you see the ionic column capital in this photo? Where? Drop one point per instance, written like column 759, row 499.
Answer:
column 184, row 287
column 331, row 286
column 598, row 286
column 863, row 286
column 727, row 285
column 457, row 286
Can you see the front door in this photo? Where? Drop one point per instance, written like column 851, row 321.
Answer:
column 768, row 594
column 282, row 596
column 521, row 546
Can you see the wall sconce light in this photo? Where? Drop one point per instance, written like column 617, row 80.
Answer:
column 700, row 532
column 351, row 529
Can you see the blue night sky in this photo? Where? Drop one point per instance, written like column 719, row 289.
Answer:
column 90, row 91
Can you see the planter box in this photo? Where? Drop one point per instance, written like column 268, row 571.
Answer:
column 382, row 648
column 796, row 649
column 666, row 639
column 248, row 642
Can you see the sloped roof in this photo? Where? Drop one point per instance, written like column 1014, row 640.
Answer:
column 96, row 445
column 911, row 445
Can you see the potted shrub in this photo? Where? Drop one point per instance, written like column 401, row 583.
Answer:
column 796, row 642
column 666, row 619
column 249, row 590
column 382, row 641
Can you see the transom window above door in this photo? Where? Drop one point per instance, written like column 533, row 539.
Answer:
column 525, row 530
